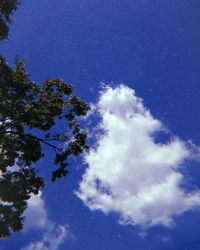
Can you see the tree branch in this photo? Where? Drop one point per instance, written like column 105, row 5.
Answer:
column 35, row 137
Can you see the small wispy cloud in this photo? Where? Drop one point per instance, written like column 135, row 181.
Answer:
column 53, row 235
column 36, row 214
column 51, row 240
column 128, row 172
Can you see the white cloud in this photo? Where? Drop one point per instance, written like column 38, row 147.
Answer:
column 37, row 218
column 36, row 214
column 51, row 240
column 128, row 172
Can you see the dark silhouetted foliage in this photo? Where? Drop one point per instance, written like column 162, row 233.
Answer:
column 28, row 113
column 7, row 7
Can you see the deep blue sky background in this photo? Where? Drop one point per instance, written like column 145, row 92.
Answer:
column 153, row 47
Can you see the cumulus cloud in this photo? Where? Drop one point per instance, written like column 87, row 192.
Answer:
column 129, row 172
column 51, row 240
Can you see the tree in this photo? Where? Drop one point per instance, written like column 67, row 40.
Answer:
column 26, row 111
column 7, row 7
column 28, row 115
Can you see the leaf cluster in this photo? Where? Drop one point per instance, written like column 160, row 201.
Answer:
column 26, row 111
column 7, row 7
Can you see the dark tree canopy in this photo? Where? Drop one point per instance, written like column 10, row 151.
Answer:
column 28, row 113
column 7, row 7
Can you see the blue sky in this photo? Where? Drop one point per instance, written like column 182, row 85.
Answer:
column 139, row 186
